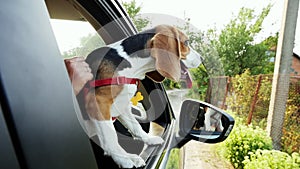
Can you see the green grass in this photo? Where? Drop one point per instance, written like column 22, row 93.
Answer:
column 174, row 159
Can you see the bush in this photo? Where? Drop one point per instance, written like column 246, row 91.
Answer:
column 200, row 83
column 273, row 159
column 242, row 141
column 169, row 84
column 243, row 91
column 291, row 131
column 243, row 88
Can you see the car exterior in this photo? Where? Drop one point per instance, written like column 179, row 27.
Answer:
column 39, row 128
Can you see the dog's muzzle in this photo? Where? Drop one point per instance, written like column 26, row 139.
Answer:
column 193, row 60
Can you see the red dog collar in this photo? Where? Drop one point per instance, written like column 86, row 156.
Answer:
column 121, row 80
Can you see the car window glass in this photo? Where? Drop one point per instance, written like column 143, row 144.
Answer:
column 75, row 38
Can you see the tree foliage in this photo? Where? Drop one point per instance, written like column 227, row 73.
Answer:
column 86, row 45
column 233, row 50
column 201, row 42
column 92, row 41
column 236, row 46
column 133, row 11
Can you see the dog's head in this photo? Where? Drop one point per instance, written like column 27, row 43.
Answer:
column 172, row 53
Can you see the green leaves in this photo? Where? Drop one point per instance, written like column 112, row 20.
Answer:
column 133, row 11
column 87, row 44
column 272, row 159
column 236, row 47
column 243, row 89
column 244, row 140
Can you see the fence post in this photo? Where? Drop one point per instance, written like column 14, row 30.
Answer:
column 254, row 100
column 280, row 84
column 209, row 91
column 226, row 92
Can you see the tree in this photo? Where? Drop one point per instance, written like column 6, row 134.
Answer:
column 233, row 50
column 202, row 42
column 87, row 44
column 92, row 41
column 133, row 11
column 236, row 47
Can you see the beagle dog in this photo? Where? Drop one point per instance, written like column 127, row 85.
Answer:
column 159, row 53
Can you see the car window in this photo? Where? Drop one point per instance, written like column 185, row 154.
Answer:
column 79, row 38
column 75, row 38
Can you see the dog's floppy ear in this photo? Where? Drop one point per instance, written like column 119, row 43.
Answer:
column 166, row 52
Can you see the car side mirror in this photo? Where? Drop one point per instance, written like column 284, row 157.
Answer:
column 203, row 122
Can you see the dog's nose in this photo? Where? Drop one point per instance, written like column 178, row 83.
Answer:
column 193, row 59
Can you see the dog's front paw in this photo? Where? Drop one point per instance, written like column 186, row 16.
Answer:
column 137, row 160
column 123, row 162
column 153, row 140
column 128, row 160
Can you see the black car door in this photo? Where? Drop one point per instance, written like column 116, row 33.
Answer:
column 37, row 110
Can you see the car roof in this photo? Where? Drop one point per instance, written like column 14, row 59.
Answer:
column 62, row 9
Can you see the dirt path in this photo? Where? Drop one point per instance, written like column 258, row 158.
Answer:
column 201, row 156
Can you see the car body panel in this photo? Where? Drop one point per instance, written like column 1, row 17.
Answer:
column 36, row 94
column 8, row 158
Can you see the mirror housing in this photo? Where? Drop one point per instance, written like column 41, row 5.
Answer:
column 203, row 122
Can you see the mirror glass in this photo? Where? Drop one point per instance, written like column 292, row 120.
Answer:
column 204, row 121
column 208, row 124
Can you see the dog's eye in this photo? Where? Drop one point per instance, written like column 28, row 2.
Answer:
column 186, row 43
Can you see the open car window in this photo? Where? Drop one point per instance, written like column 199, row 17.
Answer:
column 80, row 32
column 79, row 38
column 75, row 38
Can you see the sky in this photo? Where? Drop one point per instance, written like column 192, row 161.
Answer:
column 203, row 14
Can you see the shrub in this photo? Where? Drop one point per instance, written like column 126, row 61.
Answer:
column 272, row 159
column 242, row 141
column 242, row 94
column 243, row 88
column 169, row 84
column 200, row 83
column 291, row 131
column 238, row 120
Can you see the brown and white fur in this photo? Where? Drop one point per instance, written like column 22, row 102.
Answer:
column 155, row 53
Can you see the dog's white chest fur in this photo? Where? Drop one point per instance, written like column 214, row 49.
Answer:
column 139, row 66
column 122, row 101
